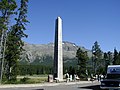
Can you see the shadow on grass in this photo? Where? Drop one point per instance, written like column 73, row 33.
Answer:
column 94, row 87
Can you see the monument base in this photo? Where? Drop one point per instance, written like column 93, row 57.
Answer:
column 59, row 80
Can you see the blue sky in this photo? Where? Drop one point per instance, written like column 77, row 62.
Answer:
column 84, row 22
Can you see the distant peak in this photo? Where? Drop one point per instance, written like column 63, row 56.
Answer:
column 68, row 42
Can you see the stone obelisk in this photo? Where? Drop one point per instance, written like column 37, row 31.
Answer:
column 58, row 54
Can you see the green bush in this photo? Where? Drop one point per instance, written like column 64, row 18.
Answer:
column 24, row 80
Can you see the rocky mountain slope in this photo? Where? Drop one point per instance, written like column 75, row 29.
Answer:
column 44, row 53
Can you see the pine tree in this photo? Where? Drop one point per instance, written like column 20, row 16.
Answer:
column 106, row 60
column 97, row 58
column 118, row 60
column 116, row 57
column 14, row 32
column 110, row 57
column 82, row 63
column 7, row 8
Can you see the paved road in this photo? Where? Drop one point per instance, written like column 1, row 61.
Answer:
column 81, row 86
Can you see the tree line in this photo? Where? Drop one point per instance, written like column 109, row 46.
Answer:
column 97, row 64
column 33, row 69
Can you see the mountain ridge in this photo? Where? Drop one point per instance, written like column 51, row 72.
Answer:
column 41, row 53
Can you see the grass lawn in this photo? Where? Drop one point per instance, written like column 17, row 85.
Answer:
column 32, row 79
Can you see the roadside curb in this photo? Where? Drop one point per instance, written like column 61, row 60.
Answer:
column 43, row 84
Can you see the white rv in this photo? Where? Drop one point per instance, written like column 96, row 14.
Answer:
column 112, row 80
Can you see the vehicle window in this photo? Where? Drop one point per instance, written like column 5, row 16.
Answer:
column 113, row 76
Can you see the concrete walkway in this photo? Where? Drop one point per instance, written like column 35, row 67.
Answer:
column 44, row 84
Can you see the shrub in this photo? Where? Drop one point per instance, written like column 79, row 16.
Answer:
column 24, row 80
